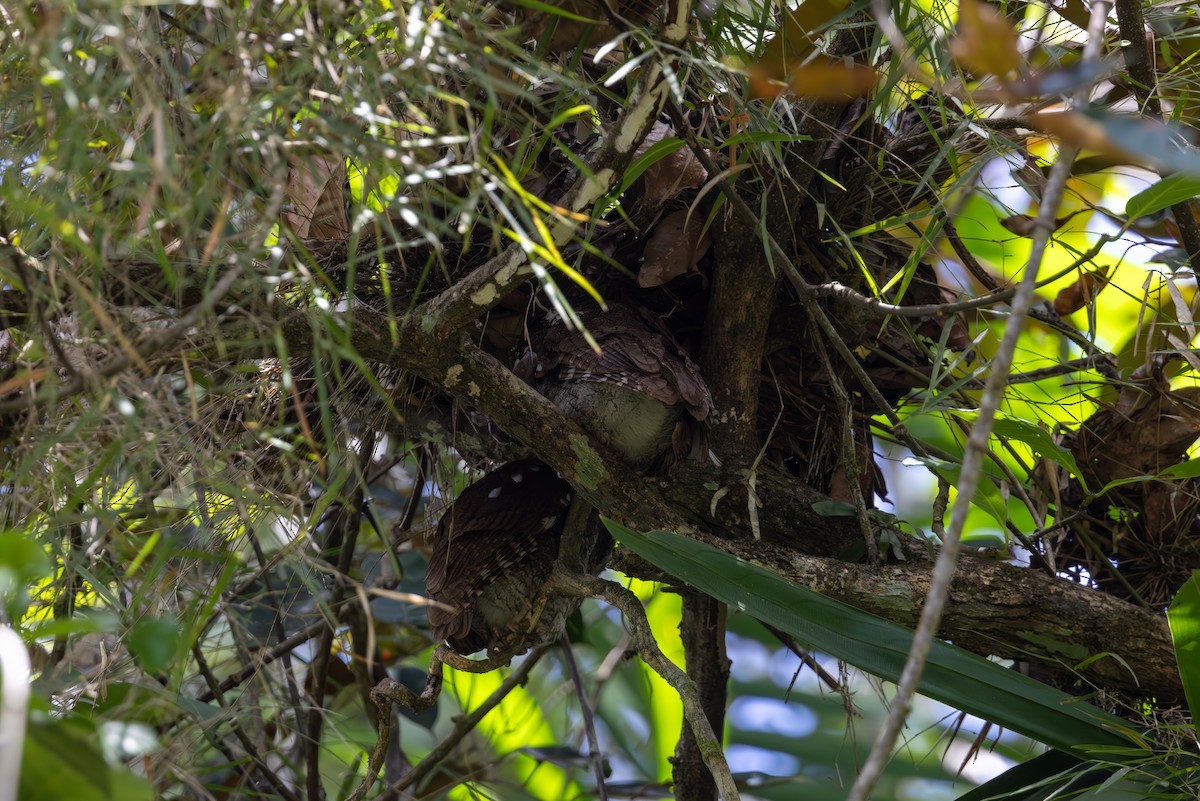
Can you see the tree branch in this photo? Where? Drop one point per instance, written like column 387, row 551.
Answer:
column 707, row 742
column 483, row 289
column 1100, row 623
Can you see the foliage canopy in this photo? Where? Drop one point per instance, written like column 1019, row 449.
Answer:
column 266, row 273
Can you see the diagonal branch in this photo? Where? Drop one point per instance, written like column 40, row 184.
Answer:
column 455, row 308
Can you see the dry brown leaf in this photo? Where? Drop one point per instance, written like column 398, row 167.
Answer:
column 1076, row 129
column 317, row 191
column 674, row 172
column 986, row 43
column 823, row 79
column 1024, row 224
column 677, row 244
column 792, row 45
column 1082, row 292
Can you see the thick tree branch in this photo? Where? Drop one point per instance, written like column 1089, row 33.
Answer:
column 702, row 629
column 1050, row 620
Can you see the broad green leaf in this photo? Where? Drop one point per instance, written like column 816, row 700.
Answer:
column 153, row 641
column 1184, row 617
column 63, row 759
column 1164, row 194
column 1057, row 775
column 1028, row 781
column 952, row 675
column 1188, row 469
column 1037, row 438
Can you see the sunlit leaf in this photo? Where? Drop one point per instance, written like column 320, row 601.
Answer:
column 952, row 675
column 1037, row 438
column 986, row 43
column 1184, row 617
column 1162, row 195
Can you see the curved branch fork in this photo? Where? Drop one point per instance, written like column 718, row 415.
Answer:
column 562, row 582
column 693, row 709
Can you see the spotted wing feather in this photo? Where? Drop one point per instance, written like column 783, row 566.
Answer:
column 499, row 523
column 636, row 351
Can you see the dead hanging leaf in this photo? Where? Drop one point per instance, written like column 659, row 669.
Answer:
column 1081, row 293
column 1076, row 129
column 317, row 191
column 677, row 244
column 678, row 170
column 791, row 47
column 986, row 44
column 1024, row 224
column 833, row 81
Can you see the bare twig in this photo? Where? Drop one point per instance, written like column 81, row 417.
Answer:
column 849, row 458
column 976, row 451
column 805, row 657
column 390, row 691
column 268, row 656
column 707, row 741
column 260, row 764
column 149, row 346
column 589, row 722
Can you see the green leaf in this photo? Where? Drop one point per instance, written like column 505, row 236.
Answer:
column 88, row 621
column 1164, row 194
column 1188, row 469
column 952, row 675
column 834, row 509
column 22, row 562
column 1184, row 618
column 1037, row 438
column 1029, row 781
column 63, row 759
column 153, row 642
column 1056, row 775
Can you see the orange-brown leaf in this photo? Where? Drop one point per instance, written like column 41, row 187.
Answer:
column 1082, row 292
column 832, row 80
column 986, row 43
column 1076, row 129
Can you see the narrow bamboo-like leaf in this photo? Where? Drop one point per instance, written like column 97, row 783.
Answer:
column 952, row 675
column 1184, row 617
